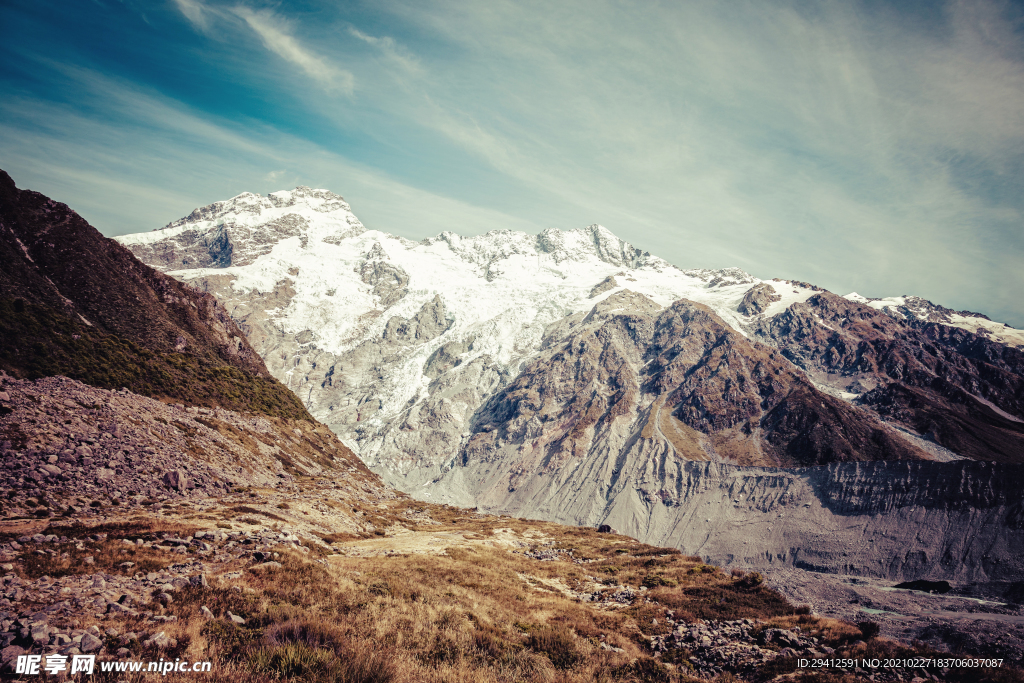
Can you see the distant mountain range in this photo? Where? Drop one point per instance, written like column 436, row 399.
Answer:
column 567, row 376
column 474, row 367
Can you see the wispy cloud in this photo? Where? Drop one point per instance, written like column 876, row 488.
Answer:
column 875, row 146
column 100, row 157
column 195, row 12
column 273, row 31
column 390, row 49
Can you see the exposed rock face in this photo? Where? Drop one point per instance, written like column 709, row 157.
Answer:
column 961, row 391
column 242, row 229
column 603, row 286
column 389, row 282
column 957, row 521
column 194, row 249
column 632, row 382
column 961, row 522
column 429, row 323
column 757, row 299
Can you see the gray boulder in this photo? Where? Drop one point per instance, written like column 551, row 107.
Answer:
column 176, row 479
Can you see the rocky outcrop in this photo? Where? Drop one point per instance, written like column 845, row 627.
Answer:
column 959, row 390
column 757, row 299
column 603, row 286
column 194, row 249
column 430, row 322
column 722, row 277
column 389, row 282
column 743, row 645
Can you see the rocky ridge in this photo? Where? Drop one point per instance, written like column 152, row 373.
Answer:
column 957, row 389
column 914, row 309
column 631, row 381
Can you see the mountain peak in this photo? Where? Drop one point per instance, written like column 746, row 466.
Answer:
column 239, row 230
column 914, row 309
column 249, row 207
column 593, row 240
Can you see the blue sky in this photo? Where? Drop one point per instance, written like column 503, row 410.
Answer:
column 868, row 146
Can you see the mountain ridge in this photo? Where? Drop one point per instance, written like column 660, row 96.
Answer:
column 500, row 291
column 73, row 302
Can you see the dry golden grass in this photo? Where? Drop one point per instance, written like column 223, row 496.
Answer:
column 483, row 611
column 479, row 612
column 108, row 555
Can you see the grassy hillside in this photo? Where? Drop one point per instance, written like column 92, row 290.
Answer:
column 38, row 341
column 75, row 303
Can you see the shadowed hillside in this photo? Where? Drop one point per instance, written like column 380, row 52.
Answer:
column 75, row 303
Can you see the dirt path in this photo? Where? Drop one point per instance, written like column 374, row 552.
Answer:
column 402, row 541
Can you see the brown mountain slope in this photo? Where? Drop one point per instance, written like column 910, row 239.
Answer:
column 75, row 303
column 962, row 391
column 681, row 378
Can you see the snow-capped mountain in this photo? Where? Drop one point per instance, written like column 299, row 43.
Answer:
column 404, row 347
column 338, row 310
column 916, row 309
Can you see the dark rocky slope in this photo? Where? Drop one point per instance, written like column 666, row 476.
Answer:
column 75, row 303
column 630, row 378
column 959, row 390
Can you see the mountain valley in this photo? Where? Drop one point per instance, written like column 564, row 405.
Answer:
column 511, row 457
column 572, row 377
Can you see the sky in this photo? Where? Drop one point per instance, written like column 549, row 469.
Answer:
column 864, row 146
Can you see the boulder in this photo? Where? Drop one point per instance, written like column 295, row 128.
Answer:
column 160, row 640
column 176, row 479
column 90, row 643
column 268, row 565
column 40, row 634
column 10, row 653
